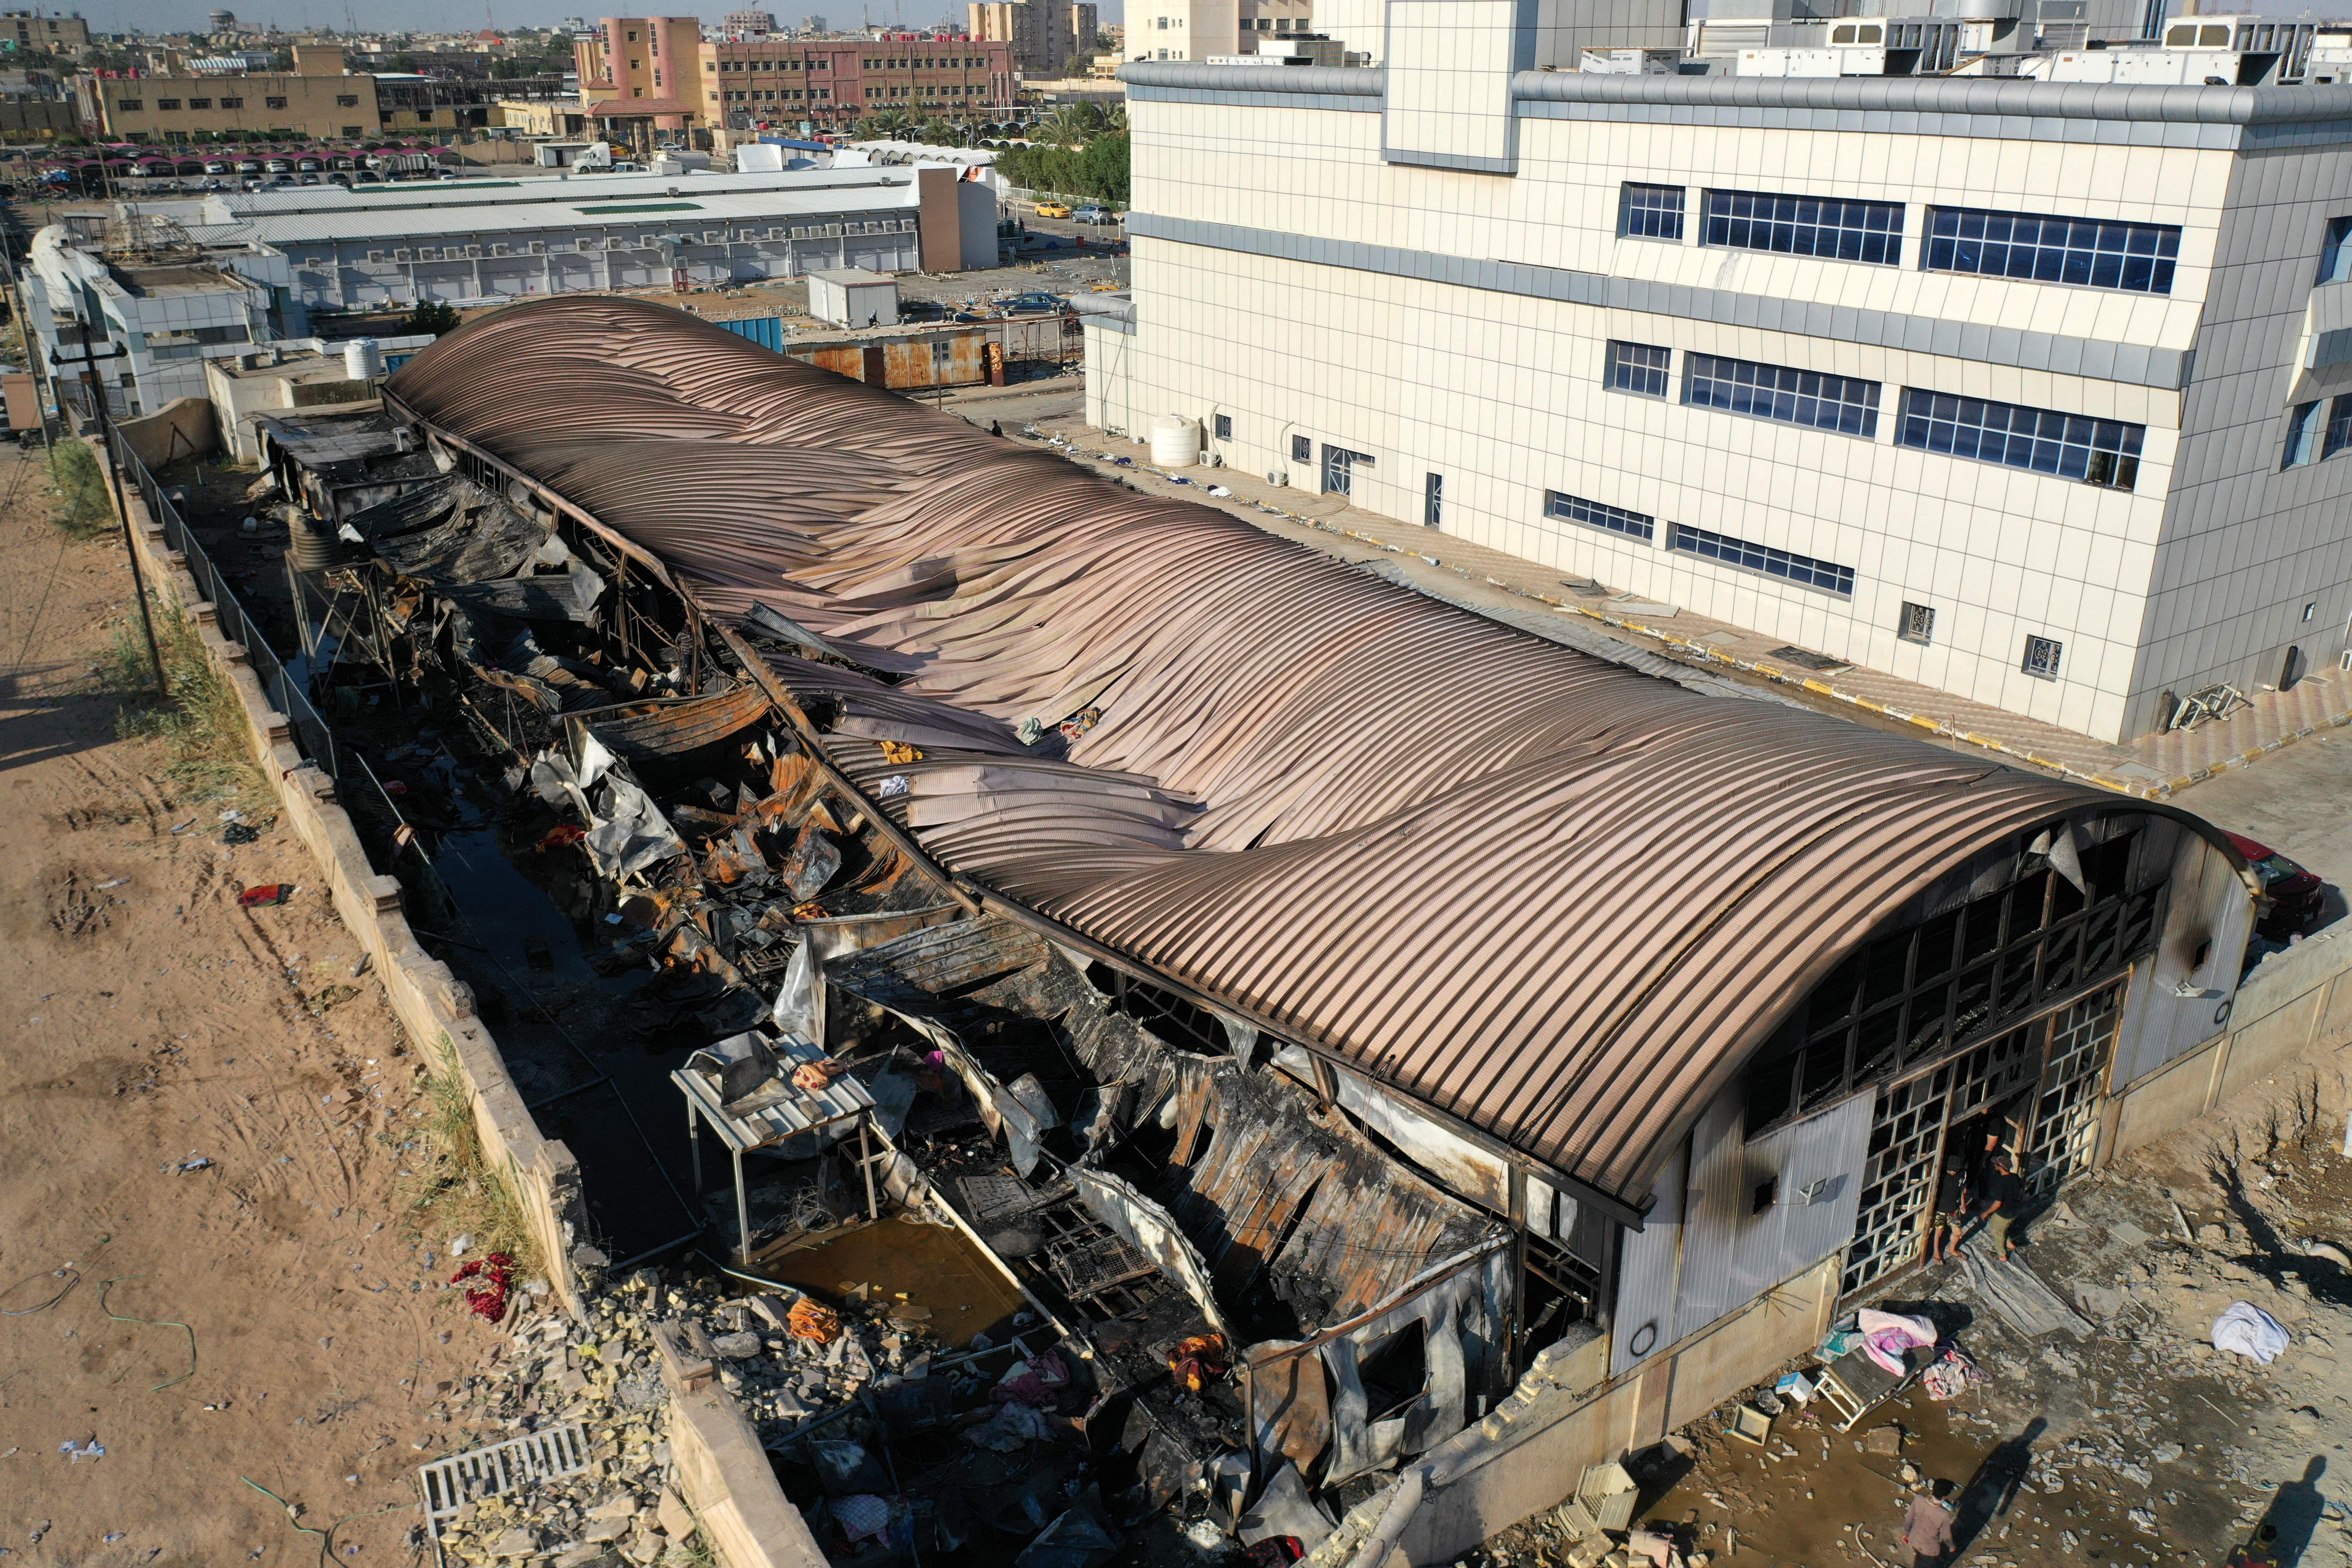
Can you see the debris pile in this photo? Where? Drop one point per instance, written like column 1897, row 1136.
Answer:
column 607, row 1378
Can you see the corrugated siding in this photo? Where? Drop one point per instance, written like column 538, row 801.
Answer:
column 1732, row 1255
column 1647, row 1271
column 1714, row 1214
column 1367, row 821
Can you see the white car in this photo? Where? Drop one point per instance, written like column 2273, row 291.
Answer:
column 1093, row 215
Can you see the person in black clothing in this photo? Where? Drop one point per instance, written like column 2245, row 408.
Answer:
column 1952, row 1207
column 2000, row 1196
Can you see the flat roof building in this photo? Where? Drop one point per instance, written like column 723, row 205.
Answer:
column 551, row 237
column 144, row 324
column 2037, row 392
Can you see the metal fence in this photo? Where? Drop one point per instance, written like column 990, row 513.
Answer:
column 311, row 735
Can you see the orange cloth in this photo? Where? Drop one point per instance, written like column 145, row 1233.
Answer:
column 809, row 1320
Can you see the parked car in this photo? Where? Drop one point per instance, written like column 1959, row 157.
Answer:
column 1093, row 215
column 1031, row 304
column 2294, row 895
column 1051, row 210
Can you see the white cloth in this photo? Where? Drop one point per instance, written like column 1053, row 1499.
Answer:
column 2248, row 1329
column 1915, row 1331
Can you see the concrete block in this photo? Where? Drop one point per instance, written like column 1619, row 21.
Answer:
column 685, row 1370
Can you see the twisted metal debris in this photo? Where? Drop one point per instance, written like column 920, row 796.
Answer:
column 1558, row 899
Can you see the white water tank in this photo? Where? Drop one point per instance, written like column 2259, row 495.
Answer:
column 362, row 361
column 1175, row 441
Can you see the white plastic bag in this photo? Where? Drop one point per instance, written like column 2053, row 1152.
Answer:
column 2248, row 1329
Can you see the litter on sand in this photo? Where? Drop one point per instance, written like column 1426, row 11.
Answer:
column 267, row 893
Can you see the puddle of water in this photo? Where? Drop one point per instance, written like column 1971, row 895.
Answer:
column 933, row 1264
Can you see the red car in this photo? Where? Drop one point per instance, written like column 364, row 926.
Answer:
column 2294, row 894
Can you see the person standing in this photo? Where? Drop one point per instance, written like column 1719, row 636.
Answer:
column 1927, row 1527
column 2002, row 1195
column 1952, row 1207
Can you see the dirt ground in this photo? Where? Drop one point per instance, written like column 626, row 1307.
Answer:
column 149, row 1025
column 2136, row 1442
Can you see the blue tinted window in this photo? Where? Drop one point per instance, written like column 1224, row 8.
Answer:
column 2302, row 436
column 1777, row 392
column 2093, row 252
column 2339, row 426
column 2071, row 446
column 1806, row 225
column 1594, row 514
column 1762, row 558
column 1650, row 211
column 2335, row 256
column 1639, row 368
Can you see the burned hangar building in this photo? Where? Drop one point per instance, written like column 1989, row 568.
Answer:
column 1484, row 1056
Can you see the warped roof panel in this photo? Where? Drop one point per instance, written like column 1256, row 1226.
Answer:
column 1556, row 898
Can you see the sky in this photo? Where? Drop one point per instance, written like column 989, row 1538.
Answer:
column 451, row 15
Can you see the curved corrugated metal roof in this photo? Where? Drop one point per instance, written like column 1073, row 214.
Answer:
column 1561, row 900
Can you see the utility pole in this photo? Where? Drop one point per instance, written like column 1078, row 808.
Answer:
column 91, row 383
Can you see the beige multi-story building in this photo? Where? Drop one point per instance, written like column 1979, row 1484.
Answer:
column 1042, row 34
column 318, row 99
column 1203, row 30
column 2035, row 392
column 27, row 30
column 642, row 74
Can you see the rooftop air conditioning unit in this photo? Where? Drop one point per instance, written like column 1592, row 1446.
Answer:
column 499, row 249
column 402, row 254
column 375, row 256
column 1276, row 476
column 539, row 247
column 427, row 253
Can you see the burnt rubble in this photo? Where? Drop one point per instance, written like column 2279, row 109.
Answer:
column 1232, row 1309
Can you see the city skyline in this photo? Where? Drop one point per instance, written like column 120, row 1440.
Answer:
column 462, row 15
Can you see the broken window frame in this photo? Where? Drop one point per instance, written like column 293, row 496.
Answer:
column 1894, row 1005
column 2059, row 1058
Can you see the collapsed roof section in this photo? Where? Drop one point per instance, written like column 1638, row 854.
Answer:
column 1556, row 900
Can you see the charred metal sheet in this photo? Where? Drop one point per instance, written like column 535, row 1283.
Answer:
column 668, row 726
column 569, row 595
column 449, row 531
column 1555, row 900
column 916, row 972
column 1336, row 1223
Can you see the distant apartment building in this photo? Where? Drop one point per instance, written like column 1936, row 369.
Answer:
column 317, row 99
column 27, row 30
column 1042, row 34
column 2035, row 392
column 748, row 24
column 1204, row 29
column 642, row 74
column 193, row 99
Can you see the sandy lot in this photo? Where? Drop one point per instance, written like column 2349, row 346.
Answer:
column 147, row 1021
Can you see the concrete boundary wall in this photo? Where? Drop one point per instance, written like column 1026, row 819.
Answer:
column 2292, row 1000
column 722, row 1471
column 432, row 1004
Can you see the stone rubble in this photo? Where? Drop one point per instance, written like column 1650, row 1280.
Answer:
column 624, row 1509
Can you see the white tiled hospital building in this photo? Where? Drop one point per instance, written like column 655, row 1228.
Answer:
column 2034, row 391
